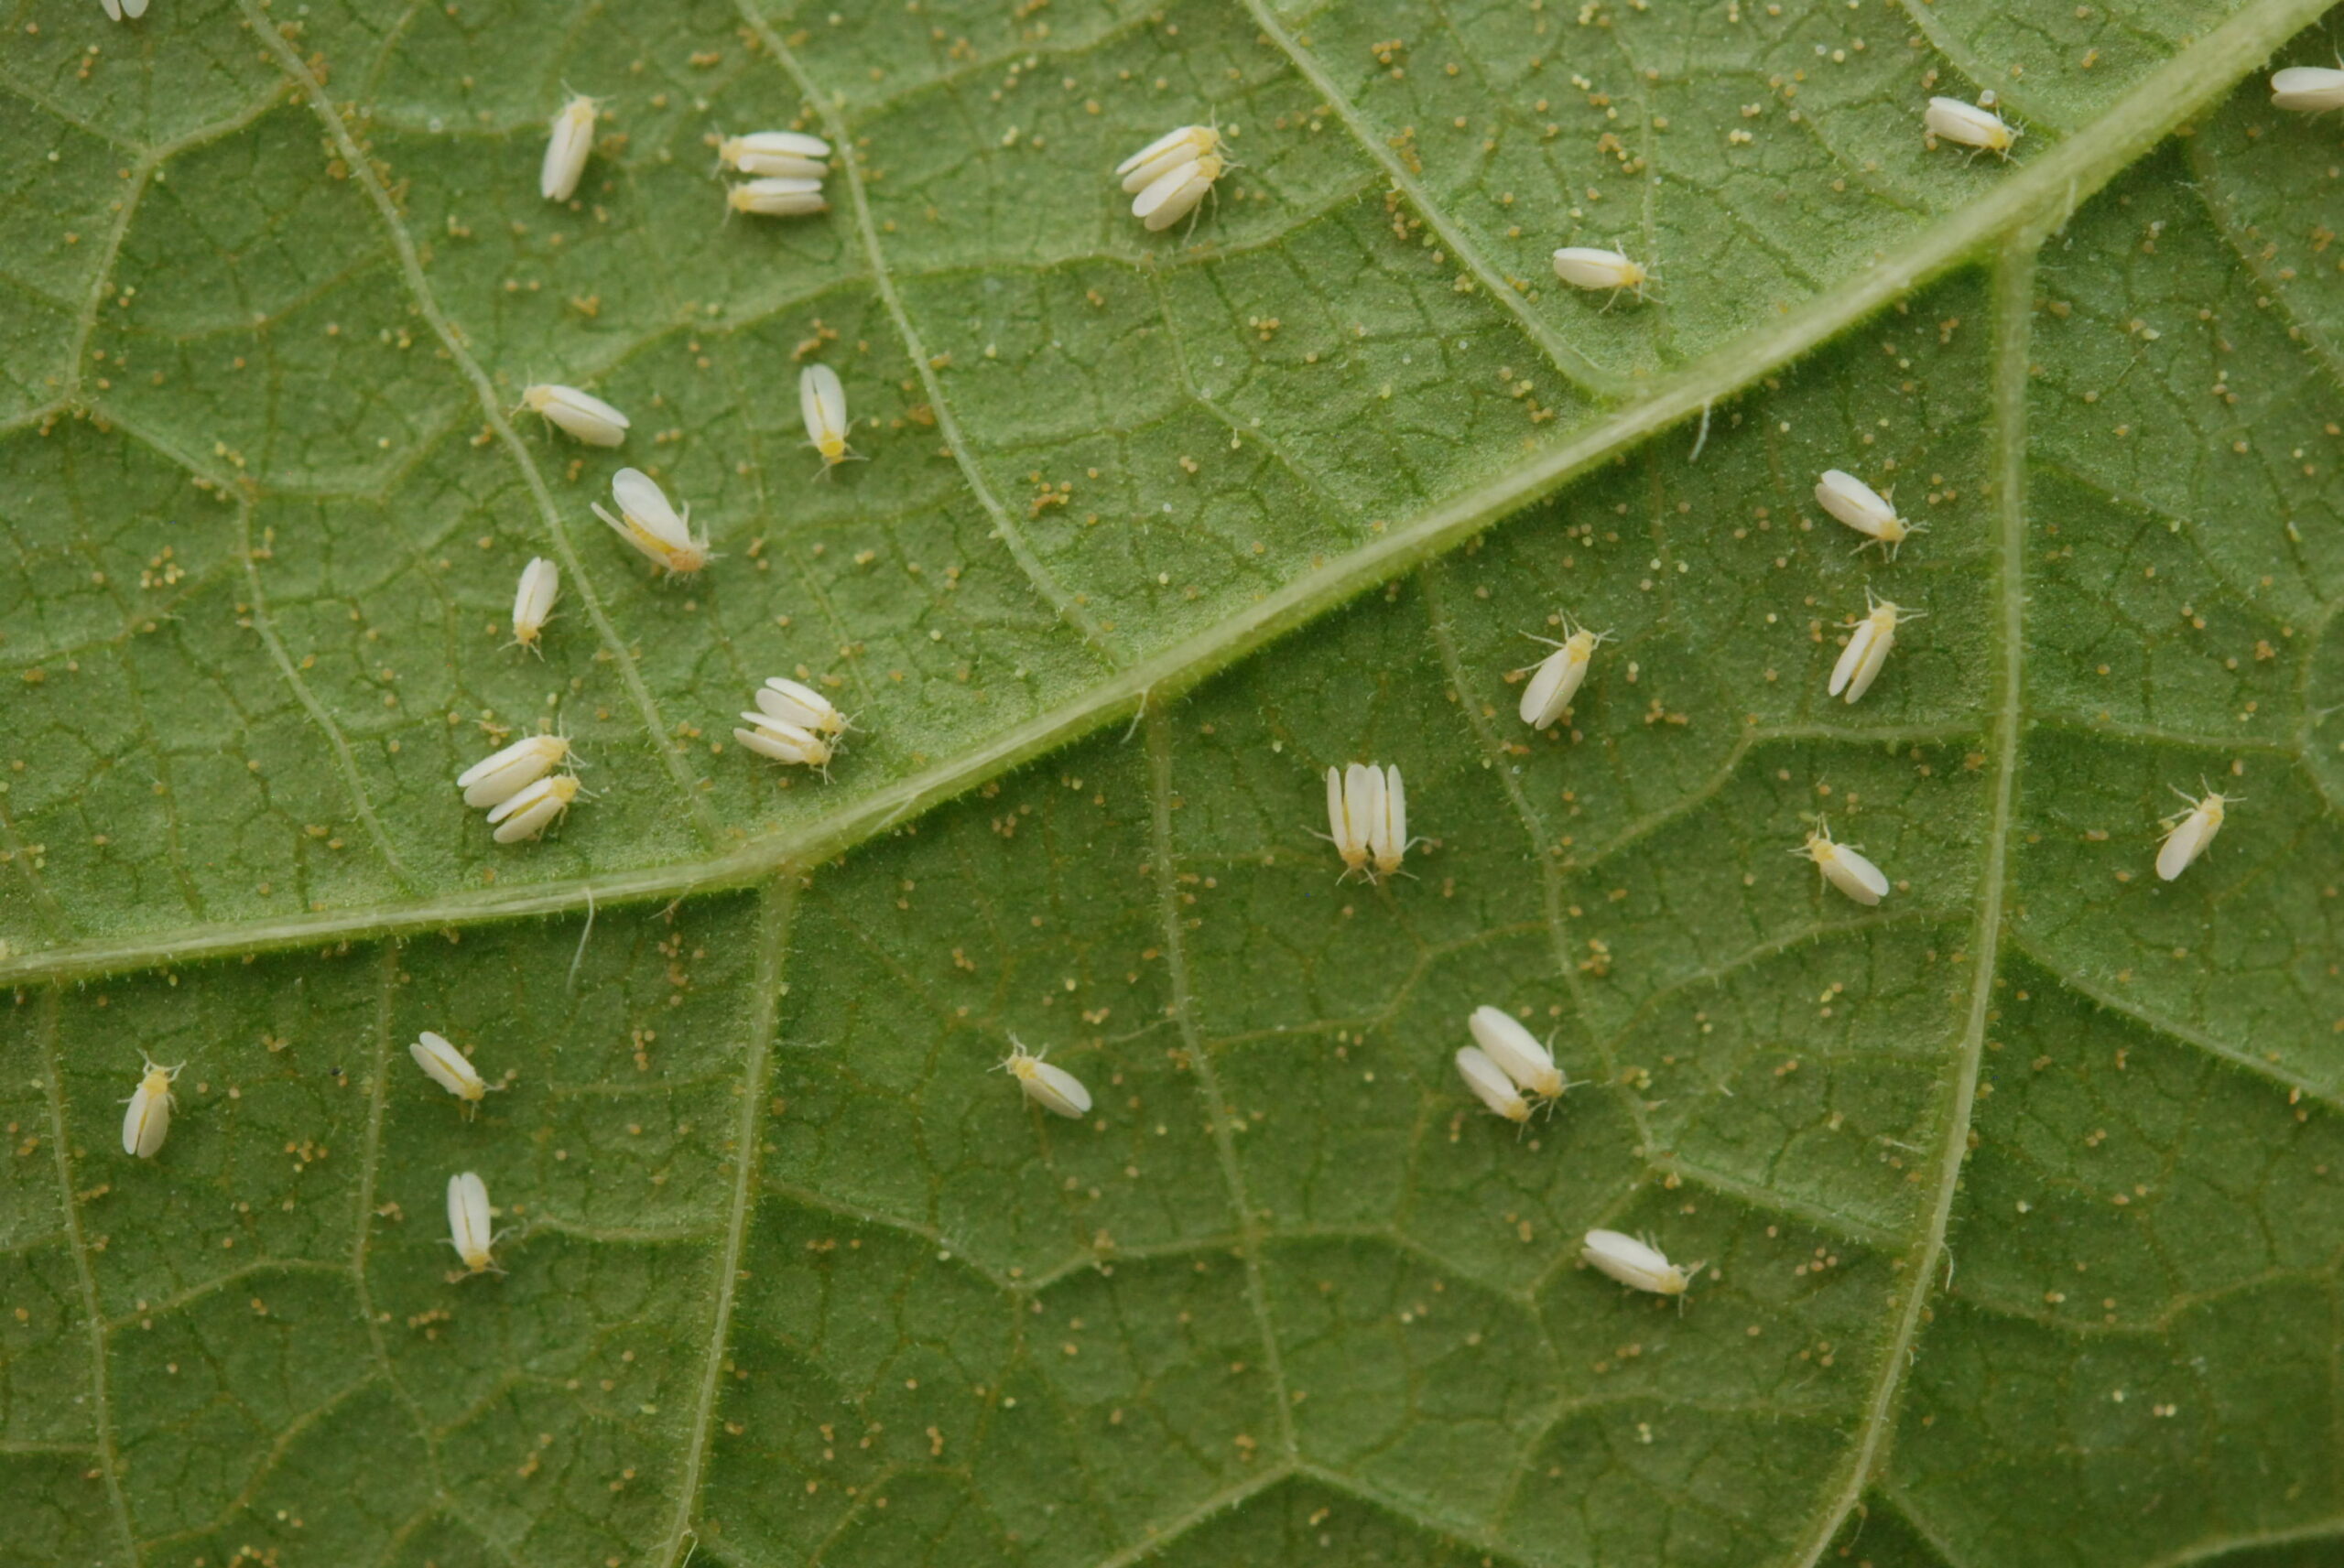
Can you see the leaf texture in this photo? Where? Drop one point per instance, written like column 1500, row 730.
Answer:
column 2015, row 1193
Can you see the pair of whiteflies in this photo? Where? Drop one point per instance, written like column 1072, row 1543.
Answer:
column 519, row 787
column 1507, row 1065
column 1599, row 269
column 471, row 1222
column 1556, row 680
column 1367, row 817
column 1171, row 177
column 658, row 531
column 794, row 723
column 821, row 405
column 147, row 1122
column 786, row 169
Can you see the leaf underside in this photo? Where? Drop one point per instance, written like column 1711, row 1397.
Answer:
column 2017, row 1193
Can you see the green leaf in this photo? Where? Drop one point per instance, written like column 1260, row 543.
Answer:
column 2016, row 1194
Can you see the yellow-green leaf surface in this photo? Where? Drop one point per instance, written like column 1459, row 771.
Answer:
column 2018, row 1194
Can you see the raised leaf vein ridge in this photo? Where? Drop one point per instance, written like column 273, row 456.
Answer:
column 2014, row 306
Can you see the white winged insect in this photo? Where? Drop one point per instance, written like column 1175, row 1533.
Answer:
column 119, row 9
column 1555, row 680
column 1868, row 645
column 1637, row 1264
column 1968, row 126
column 647, row 521
column 2312, row 89
column 1865, row 510
column 794, row 702
column 1387, row 829
column 789, row 154
column 1169, row 151
column 148, row 1120
column 821, row 404
column 777, row 196
column 1354, row 800
column 1491, row 1086
column 1843, row 867
column 534, row 809
column 1595, row 270
column 1177, row 191
column 533, row 598
column 1521, row 1053
column 2187, row 834
column 786, row 742
column 1051, row 1088
column 582, row 413
column 471, row 1224
column 449, row 1068
column 502, row 774
column 569, row 140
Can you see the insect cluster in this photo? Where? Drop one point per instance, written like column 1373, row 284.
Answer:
column 785, row 170
column 1168, row 179
column 528, row 784
column 519, row 788
column 795, row 724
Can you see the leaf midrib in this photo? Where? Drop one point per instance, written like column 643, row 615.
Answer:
column 2014, row 306
column 2043, row 190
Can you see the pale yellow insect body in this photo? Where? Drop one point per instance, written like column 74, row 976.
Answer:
column 569, row 139
column 1597, row 270
column 1176, row 193
column 533, row 599
column 531, row 811
column 1868, row 645
column 1491, row 1084
column 471, row 1224
column 582, row 413
column 1558, row 678
column 1174, row 149
column 1387, row 835
column 784, row 742
column 148, row 1120
column 449, row 1068
column 653, row 526
column 1354, row 798
column 499, row 776
column 821, row 405
column 1521, row 1055
column 2310, row 89
column 1843, row 867
column 789, row 154
column 779, row 196
column 794, row 702
column 2188, row 836
column 1052, row 1088
column 1864, row 509
column 1637, row 1264
column 1968, row 126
